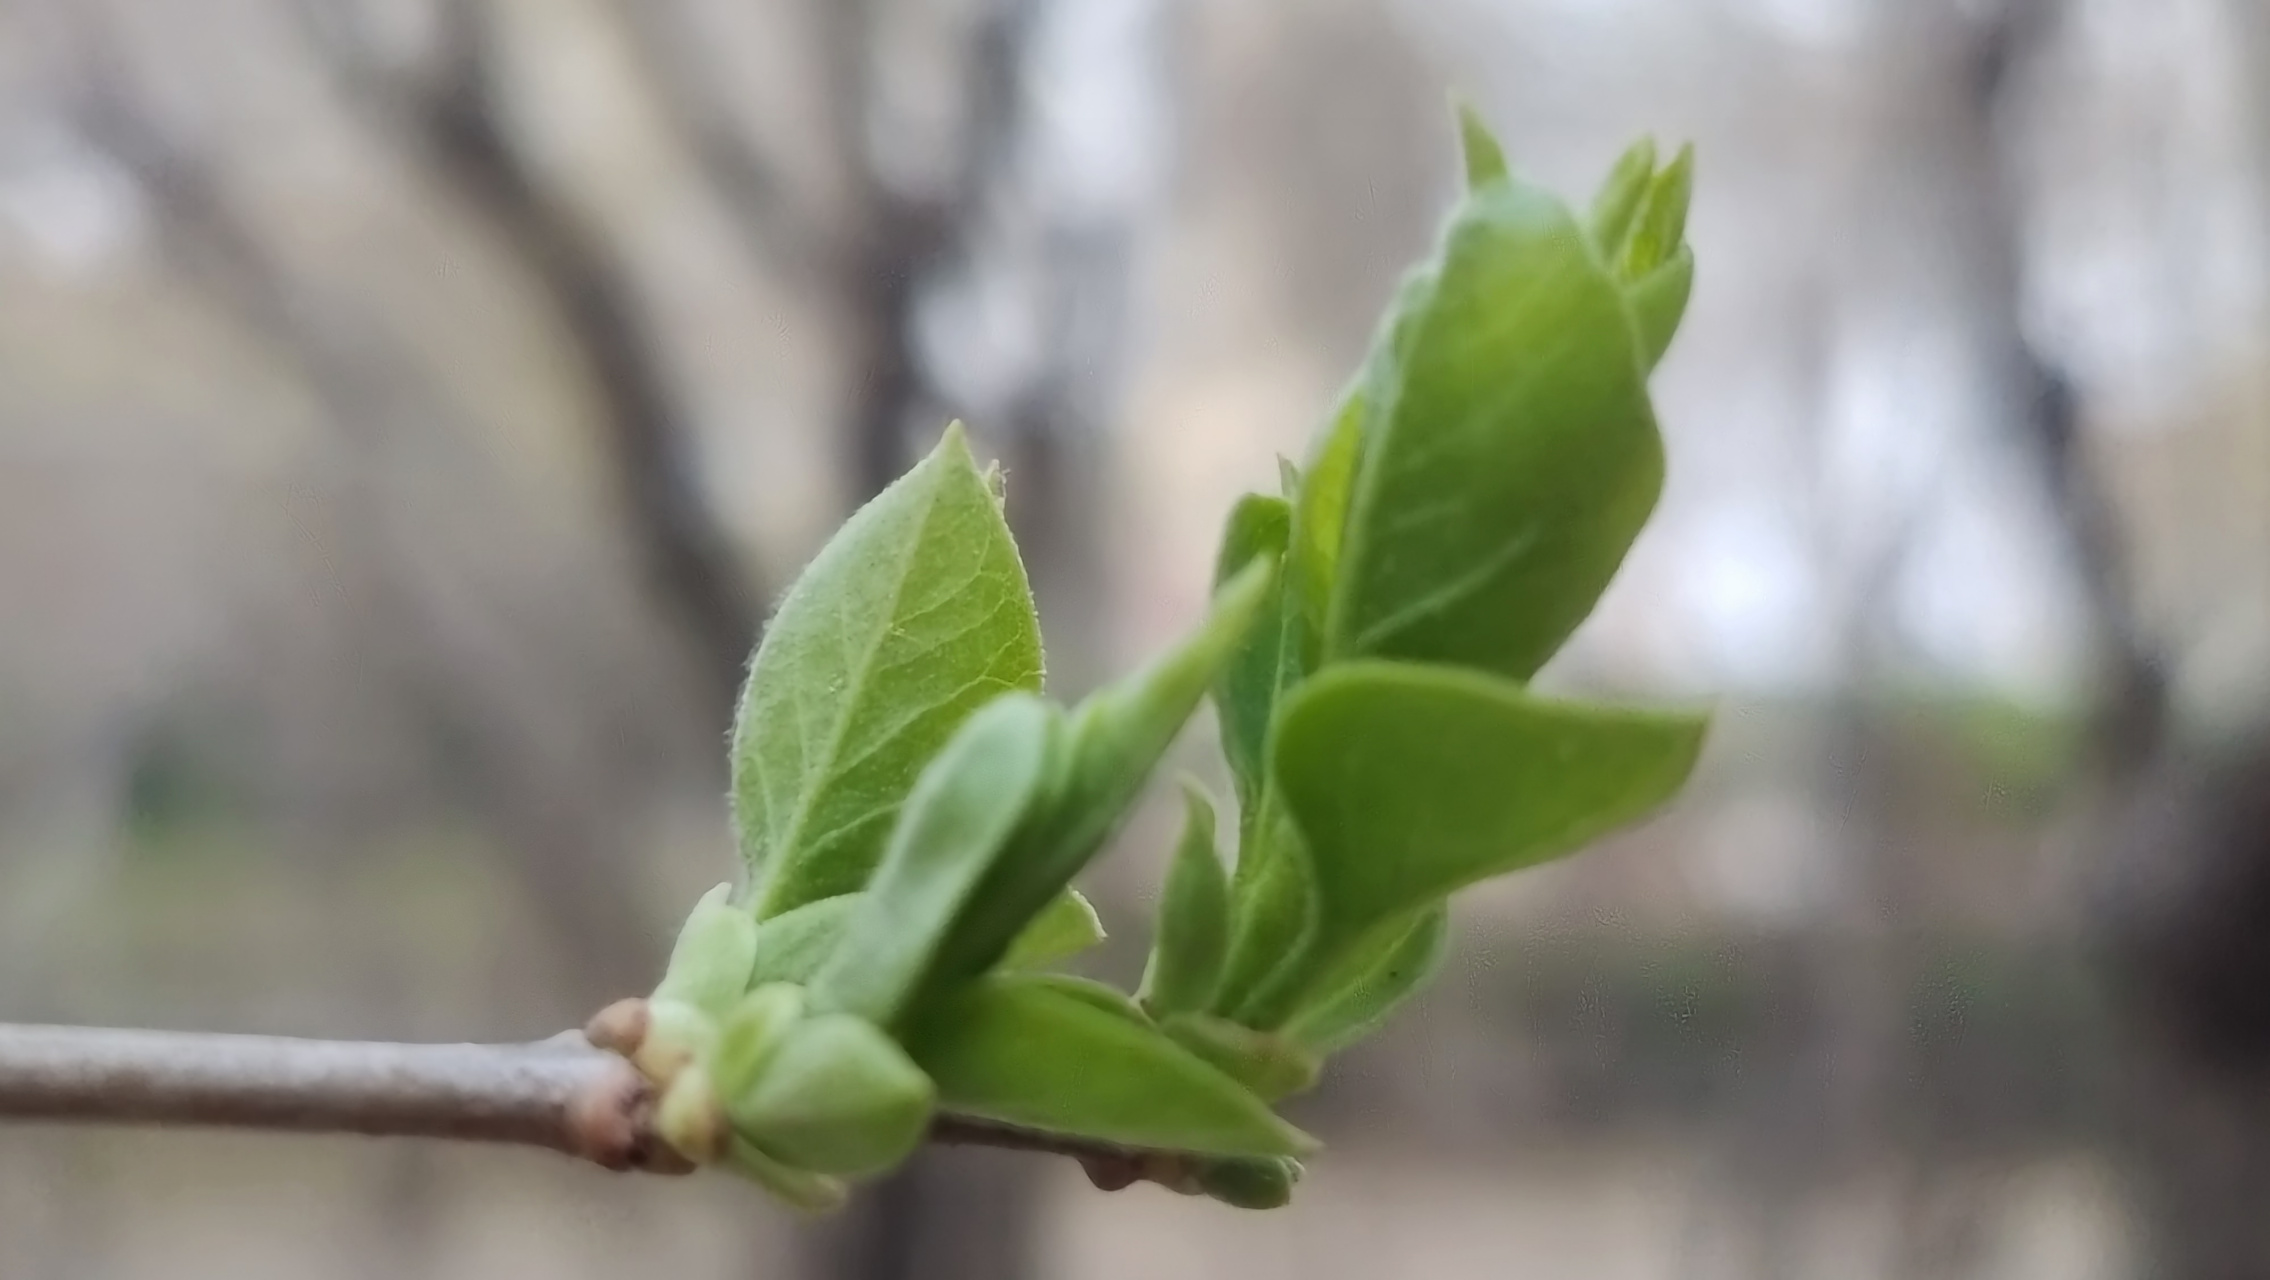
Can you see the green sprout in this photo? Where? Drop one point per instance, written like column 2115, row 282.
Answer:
column 913, row 810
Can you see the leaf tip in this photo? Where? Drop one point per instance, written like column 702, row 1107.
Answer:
column 1484, row 156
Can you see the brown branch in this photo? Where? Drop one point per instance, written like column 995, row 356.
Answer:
column 559, row 1094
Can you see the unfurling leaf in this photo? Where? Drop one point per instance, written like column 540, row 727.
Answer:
column 1019, row 1051
column 951, row 833
column 1246, row 694
column 709, row 966
column 1410, row 782
column 1194, row 917
column 1509, row 454
column 837, row 1097
column 1615, row 210
column 1662, row 219
column 1385, row 974
column 914, row 615
column 1067, row 926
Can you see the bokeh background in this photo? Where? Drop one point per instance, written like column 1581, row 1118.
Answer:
column 408, row 408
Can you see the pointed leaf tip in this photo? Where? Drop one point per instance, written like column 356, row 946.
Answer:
column 1616, row 208
column 1662, row 218
column 1484, row 156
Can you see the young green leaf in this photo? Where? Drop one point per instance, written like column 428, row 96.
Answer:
column 1246, row 694
column 1385, row 974
column 1274, row 900
column 1194, row 917
column 1067, row 926
column 1510, row 458
column 792, row 946
column 1411, row 782
column 915, row 614
column 1658, row 300
column 950, row 834
column 1108, row 747
column 838, row 1097
column 1010, row 1049
column 1616, row 208
column 1662, row 218
column 709, row 966
column 1485, row 158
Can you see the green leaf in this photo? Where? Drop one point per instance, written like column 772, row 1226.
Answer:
column 1412, row 782
column 1616, row 208
column 1012, row 1050
column 838, row 1097
column 1109, row 746
column 1246, row 694
column 950, row 834
column 1067, row 926
column 1194, row 917
column 915, row 614
column 1271, row 1065
column 709, row 966
column 1275, row 900
column 1658, row 300
column 1510, row 455
column 1485, row 159
column 1662, row 218
column 794, row 945
column 1384, row 975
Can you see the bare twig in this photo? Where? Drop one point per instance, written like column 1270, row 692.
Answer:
column 558, row 1094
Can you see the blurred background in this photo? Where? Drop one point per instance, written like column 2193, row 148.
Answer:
column 408, row 408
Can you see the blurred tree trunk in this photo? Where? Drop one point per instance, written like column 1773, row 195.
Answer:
column 2179, row 850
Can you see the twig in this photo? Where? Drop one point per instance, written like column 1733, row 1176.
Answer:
column 559, row 1094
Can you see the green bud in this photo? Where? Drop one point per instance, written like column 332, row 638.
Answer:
column 838, row 1097
column 812, row 1192
column 677, row 1033
column 689, row 1118
column 709, row 968
column 751, row 1034
column 1250, row 1182
column 1271, row 1065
